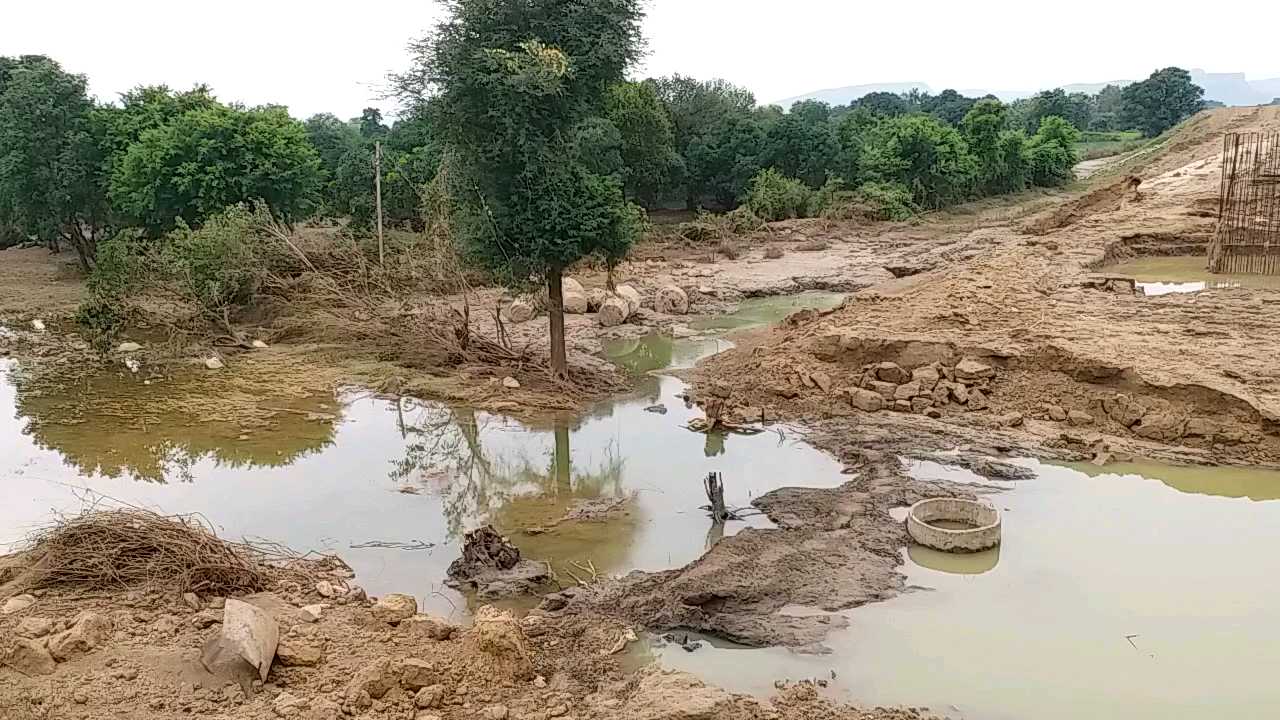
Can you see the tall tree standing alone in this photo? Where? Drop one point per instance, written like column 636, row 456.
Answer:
column 510, row 80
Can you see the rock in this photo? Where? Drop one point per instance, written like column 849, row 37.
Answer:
column 941, row 393
column 496, row 712
column 29, row 657
column 128, row 347
column 1123, row 410
column 631, row 295
column 970, row 369
column 902, row 406
column 206, row 618
column 671, row 300
column 430, row 627
column 934, row 413
column 311, row 613
column 259, row 345
column 1160, row 426
column 295, row 653
column 287, row 705
column 569, row 285
column 521, row 310
column 670, row 695
column 34, row 627
column 920, row 404
column 429, row 697
column 17, row 603
column 90, row 630
column 426, row 716
column 323, row 709
column 892, row 373
column 37, row 325
column 906, row 391
column 370, row 683
column 246, row 644
column 213, row 363
column 885, row 390
column 394, row 608
column 1056, row 413
column 192, row 601
column 822, row 380
column 959, row 393
column 613, row 312
column 416, row 674
column 927, row 377
column 773, row 252
column 596, row 298
column 325, row 589
column 866, row 400
column 497, row 633
column 682, row 331
column 1079, row 417
column 1196, row 427
column 659, row 409
column 510, row 383
column 977, row 400
column 575, row 303
column 1011, row 419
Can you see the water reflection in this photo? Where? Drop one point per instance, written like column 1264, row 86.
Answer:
column 958, row 563
column 1185, row 274
column 1223, row 481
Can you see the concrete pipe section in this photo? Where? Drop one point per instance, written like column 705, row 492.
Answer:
column 954, row 525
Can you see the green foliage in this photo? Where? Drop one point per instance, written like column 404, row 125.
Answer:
column 721, row 161
column 213, row 157
column 924, row 154
column 104, row 308
column 219, row 266
column 333, row 140
column 1051, row 153
column 885, row 201
column 51, row 185
column 1161, row 101
column 774, row 196
column 883, row 104
column 647, row 142
column 802, row 144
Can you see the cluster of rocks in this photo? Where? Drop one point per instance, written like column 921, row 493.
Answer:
column 611, row 309
column 1149, row 418
column 39, row 644
column 923, row 390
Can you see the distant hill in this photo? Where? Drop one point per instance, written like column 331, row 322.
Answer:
column 1226, row 88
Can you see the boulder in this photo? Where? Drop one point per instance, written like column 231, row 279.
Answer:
column 433, row 628
column 1196, row 427
column 885, row 390
column 970, row 369
column 128, row 347
column 1010, row 419
column 596, row 298
column 576, row 303
column 892, row 373
column 1123, row 410
column 866, row 400
column 259, row 344
column 90, row 630
column 569, row 285
column 325, row 589
column 311, row 613
column 1056, row 413
column 1079, row 418
column 431, row 696
column 920, row 404
column 394, row 608
column 521, row 310
column 214, row 363
column 902, row 406
column 906, row 391
column 370, row 683
column 17, row 603
column 927, row 377
column 498, row 634
column 977, row 400
column 942, row 393
column 323, row 709
column 294, row 653
column 631, row 295
column 288, row 705
column 29, row 657
column 246, row 644
column 822, row 380
column 613, row 312
column 1160, row 426
column 671, row 300
column 416, row 674
column 34, row 627
column 959, row 393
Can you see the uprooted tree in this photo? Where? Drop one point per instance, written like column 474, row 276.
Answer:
column 508, row 84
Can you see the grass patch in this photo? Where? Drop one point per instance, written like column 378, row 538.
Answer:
column 1094, row 145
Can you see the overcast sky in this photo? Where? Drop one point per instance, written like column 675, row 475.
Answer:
column 320, row 56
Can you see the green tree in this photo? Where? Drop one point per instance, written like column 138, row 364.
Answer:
column 370, row 123
column 923, row 154
column 884, row 104
column 709, row 120
column 647, row 148
column 334, row 140
column 1051, row 152
column 1161, row 101
column 51, row 158
column 1108, row 109
column 948, row 106
column 721, row 161
column 802, row 144
column 211, row 158
column 512, row 79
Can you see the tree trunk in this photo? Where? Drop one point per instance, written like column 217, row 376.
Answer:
column 555, row 314
column 564, row 479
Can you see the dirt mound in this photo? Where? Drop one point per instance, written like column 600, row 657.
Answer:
column 1104, row 199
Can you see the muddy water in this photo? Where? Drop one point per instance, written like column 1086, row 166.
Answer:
column 352, row 474
column 1164, row 275
column 1138, row 592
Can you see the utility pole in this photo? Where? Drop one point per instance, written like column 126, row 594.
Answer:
column 377, row 195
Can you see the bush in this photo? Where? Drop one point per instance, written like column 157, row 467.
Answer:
column 773, row 196
column 871, row 201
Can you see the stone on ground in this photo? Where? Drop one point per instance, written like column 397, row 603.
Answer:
column 613, row 312
column 90, row 630
column 430, row 627
column 498, row 633
column 671, row 300
column 510, row 383
column 213, row 363
column 596, row 298
column 128, row 347
column 866, row 400
column 430, row 696
column 288, row 705
column 17, row 603
column 892, row 373
column 970, row 369
column 631, row 295
column 29, row 657
column 1079, row 417
column 576, row 303
column 34, row 627
column 521, row 310
column 245, row 645
column 416, row 674
column 395, row 607
column 569, row 285
column 295, row 653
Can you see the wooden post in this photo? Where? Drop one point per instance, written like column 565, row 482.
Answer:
column 377, row 195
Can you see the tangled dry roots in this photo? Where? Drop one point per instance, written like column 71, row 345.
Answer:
column 138, row 549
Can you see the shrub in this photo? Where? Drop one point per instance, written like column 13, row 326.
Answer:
column 871, row 201
column 773, row 196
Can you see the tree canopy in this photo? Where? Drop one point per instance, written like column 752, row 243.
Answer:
column 1161, row 101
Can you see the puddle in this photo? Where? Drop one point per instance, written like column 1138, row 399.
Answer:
column 330, row 474
column 1113, row 595
column 658, row 351
column 1183, row 274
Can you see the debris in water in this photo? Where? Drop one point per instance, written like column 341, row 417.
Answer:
column 493, row 566
column 659, row 409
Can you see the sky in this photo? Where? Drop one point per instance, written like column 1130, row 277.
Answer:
column 322, row 56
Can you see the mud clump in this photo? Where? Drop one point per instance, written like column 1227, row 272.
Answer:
column 493, row 567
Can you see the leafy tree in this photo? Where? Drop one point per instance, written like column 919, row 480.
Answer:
column 802, row 145
column 1161, row 101
column 211, row 158
column 1051, row 153
column 710, row 119
column 852, row 133
column 948, row 106
column 145, row 108
column 1108, row 109
column 774, row 196
column 597, row 141
column 512, row 79
column 370, row 123
column 923, row 154
column 884, row 104
column 1075, row 108
column 51, row 184
column 334, row 140
column 721, row 161
column 647, row 149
